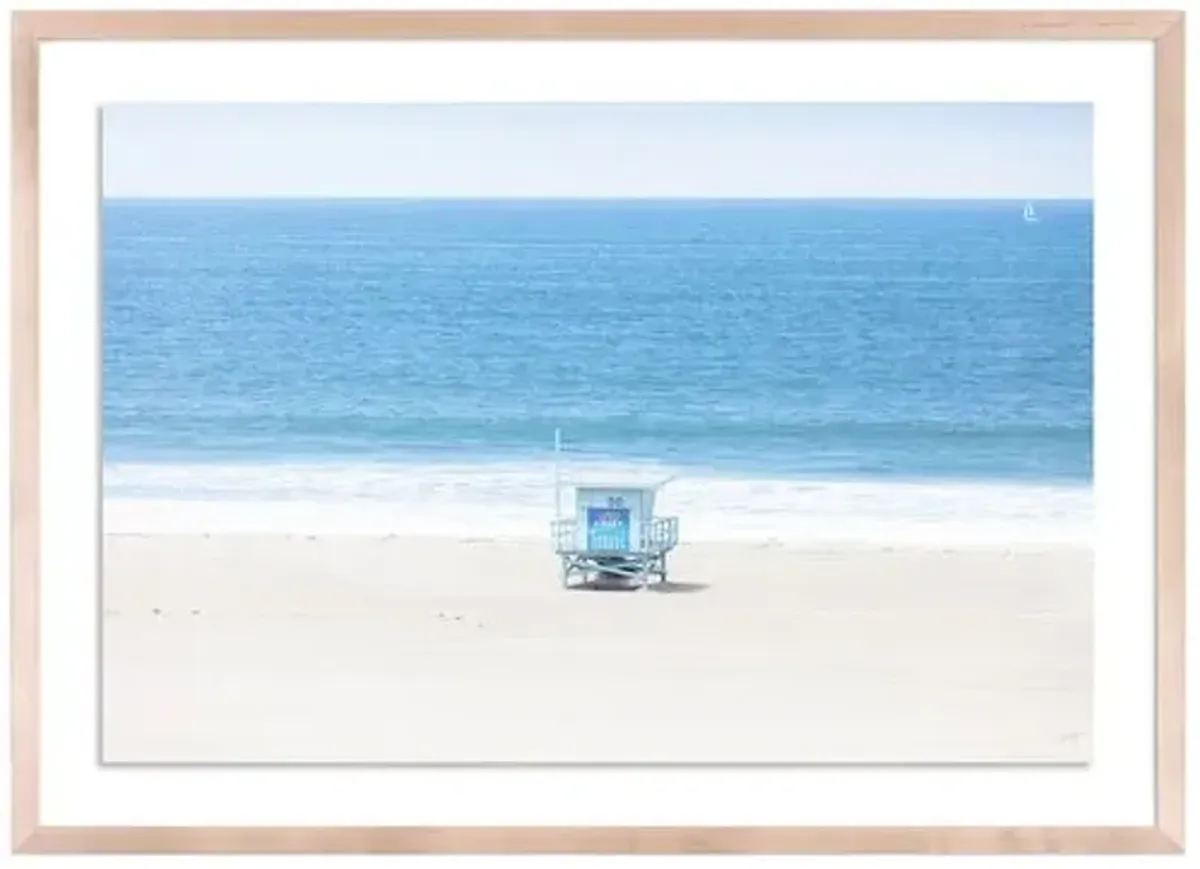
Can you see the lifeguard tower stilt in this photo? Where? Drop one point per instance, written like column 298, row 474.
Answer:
column 614, row 540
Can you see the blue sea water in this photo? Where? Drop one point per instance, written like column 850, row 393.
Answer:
column 856, row 341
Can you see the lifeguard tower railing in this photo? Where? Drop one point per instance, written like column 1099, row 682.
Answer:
column 658, row 536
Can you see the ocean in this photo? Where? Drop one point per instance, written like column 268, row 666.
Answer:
column 848, row 369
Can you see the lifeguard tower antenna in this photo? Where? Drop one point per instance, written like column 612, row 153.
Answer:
column 614, row 539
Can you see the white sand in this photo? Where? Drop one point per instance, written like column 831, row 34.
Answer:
column 355, row 649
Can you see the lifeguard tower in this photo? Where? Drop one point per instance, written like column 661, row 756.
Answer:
column 613, row 539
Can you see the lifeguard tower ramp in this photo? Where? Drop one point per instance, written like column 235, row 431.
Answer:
column 614, row 539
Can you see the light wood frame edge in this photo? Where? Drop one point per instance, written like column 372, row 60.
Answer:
column 1167, row 31
column 1169, row 471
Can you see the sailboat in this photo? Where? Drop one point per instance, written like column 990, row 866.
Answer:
column 1030, row 215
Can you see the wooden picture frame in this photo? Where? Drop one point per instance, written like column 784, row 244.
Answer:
column 1164, row 29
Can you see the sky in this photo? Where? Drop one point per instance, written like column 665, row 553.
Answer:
column 619, row 150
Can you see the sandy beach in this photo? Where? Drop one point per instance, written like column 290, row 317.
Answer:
column 278, row 648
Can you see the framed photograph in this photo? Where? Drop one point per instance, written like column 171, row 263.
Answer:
column 598, row 432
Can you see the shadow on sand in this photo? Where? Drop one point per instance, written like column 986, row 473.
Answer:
column 676, row 587
column 653, row 587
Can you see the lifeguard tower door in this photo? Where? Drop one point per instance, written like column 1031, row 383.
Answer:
column 608, row 529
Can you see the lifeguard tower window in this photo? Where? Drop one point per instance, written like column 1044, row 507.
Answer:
column 608, row 529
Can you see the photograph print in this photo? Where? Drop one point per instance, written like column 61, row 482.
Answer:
column 643, row 433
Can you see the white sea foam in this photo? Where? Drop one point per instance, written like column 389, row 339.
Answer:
column 517, row 500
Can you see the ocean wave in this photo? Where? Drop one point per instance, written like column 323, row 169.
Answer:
column 518, row 500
